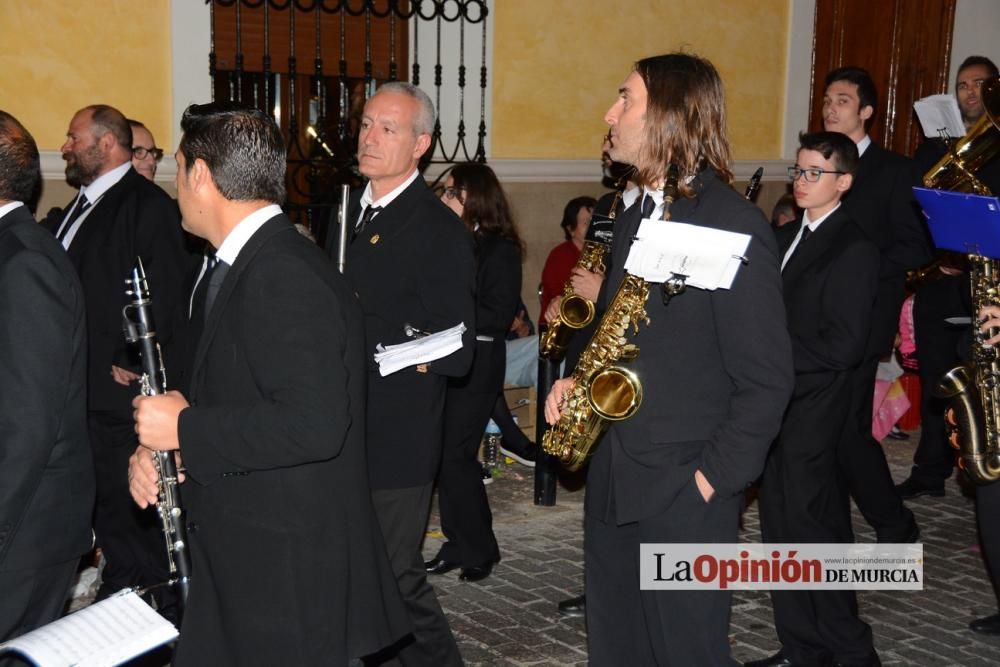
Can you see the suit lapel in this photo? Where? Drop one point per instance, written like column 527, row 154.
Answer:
column 276, row 225
column 389, row 223
column 818, row 243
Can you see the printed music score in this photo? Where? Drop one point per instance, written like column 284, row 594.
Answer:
column 708, row 257
column 392, row 358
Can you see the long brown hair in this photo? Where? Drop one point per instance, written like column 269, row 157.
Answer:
column 685, row 119
column 485, row 203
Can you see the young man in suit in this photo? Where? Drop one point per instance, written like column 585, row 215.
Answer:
column 881, row 202
column 288, row 566
column 116, row 217
column 411, row 262
column 716, row 372
column 47, row 479
column 830, row 277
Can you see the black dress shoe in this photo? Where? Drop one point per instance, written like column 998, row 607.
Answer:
column 439, row 566
column 913, row 488
column 574, row 607
column 776, row 660
column 476, row 573
column 986, row 626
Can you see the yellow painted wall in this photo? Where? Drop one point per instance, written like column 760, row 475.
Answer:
column 557, row 65
column 59, row 56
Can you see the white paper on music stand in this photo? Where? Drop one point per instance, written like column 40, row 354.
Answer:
column 106, row 633
column 708, row 257
column 391, row 358
column 937, row 113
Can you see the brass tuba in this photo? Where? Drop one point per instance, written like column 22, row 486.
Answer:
column 602, row 390
column 973, row 389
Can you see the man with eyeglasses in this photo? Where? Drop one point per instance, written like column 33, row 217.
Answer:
column 829, row 274
column 145, row 155
column 881, row 201
column 116, row 217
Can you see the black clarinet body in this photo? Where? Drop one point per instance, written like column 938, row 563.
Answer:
column 137, row 319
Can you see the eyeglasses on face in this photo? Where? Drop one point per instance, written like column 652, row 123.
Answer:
column 455, row 193
column 811, row 175
column 141, row 152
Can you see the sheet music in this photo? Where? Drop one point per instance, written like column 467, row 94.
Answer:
column 708, row 257
column 939, row 113
column 437, row 345
column 106, row 633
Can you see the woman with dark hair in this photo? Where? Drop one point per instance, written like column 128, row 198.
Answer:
column 562, row 259
column 473, row 192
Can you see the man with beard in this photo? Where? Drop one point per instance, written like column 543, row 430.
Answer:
column 117, row 217
column 943, row 297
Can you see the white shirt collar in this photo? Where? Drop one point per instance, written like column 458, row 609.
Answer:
column 863, row 145
column 8, row 207
column 366, row 196
column 814, row 224
column 632, row 192
column 241, row 233
column 104, row 182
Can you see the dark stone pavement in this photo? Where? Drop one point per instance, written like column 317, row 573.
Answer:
column 511, row 618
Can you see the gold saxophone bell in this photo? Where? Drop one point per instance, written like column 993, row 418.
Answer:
column 614, row 393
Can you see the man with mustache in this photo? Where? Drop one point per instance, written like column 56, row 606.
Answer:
column 117, row 217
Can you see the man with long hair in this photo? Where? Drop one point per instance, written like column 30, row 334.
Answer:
column 716, row 372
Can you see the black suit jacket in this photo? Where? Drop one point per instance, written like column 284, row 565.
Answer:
column 498, row 292
column 715, row 367
column 882, row 203
column 47, row 479
column 830, row 283
column 288, row 566
column 413, row 264
column 134, row 218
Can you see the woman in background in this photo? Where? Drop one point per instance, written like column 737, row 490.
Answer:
column 561, row 260
column 473, row 192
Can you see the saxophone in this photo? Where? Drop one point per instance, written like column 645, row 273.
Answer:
column 137, row 320
column 575, row 311
column 972, row 389
column 604, row 391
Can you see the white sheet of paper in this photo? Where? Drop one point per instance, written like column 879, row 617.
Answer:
column 437, row 345
column 939, row 112
column 106, row 633
column 708, row 257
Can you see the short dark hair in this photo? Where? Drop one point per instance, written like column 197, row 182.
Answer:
column 109, row 119
column 20, row 172
column 834, row 146
column 685, row 119
column 573, row 207
column 867, row 95
column 485, row 203
column 242, row 147
column 972, row 61
column 134, row 123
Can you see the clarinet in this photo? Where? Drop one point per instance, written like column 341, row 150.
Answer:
column 137, row 320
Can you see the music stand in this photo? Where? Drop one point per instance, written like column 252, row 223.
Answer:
column 963, row 222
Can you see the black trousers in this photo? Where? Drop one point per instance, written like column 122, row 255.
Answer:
column 863, row 464
column 402, row 515
column 803, row 498
column 627, row 626
column 465, row 509
column 987, row 511
column 937, row 352
column 32, row 598
column 131, row 539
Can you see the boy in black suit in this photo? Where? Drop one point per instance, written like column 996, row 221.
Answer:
column 830, row 276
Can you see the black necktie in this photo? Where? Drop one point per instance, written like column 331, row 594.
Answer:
column 81, row 206
column 214, row 283
column 366, row 217
column 806, row 231
column 648, row 206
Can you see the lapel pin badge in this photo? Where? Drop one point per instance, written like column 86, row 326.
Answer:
column 374, row 239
